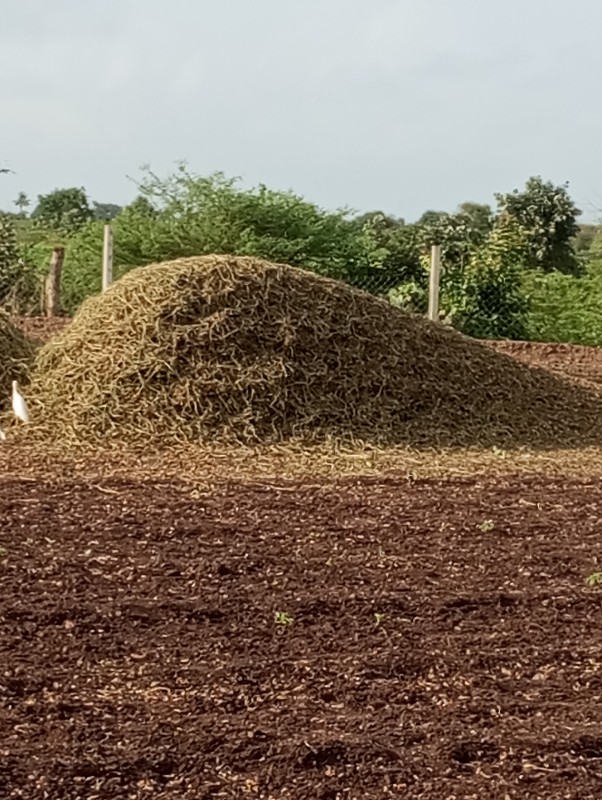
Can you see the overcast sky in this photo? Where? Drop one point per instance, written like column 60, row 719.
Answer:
column 399, row 105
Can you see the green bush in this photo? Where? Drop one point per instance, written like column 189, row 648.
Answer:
column 19, row 287
column 484, row 256
column 484, row 297
column 565, row 308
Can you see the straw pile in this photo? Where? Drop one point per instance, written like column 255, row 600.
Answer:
column 16, row 354
column 238, row 350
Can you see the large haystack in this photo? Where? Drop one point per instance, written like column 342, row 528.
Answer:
column 16, row 354
column 239, row 350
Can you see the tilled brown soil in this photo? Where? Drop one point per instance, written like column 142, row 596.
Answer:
column 572, row 360
column 41, row 329
column 371, row 638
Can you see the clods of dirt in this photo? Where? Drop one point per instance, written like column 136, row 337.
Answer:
column 357, row 639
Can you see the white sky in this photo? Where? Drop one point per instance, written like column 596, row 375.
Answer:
column 399, row 105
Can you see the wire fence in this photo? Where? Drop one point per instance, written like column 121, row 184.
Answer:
column 541, row 307
column 534, row 306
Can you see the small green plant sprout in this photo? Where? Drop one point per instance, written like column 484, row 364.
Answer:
column 282, row 618
column 486, row 526
column 3, row 553
column 498, row 452
column 595, row 579
column 378, row 617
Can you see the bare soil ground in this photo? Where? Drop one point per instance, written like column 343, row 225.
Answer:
column 361, row 638
column 574, row 361
column 41, row 329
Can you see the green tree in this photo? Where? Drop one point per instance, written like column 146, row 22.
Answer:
column 22, row 202
column 431, row 218
column 197, row 214
column 480, row 216
column 485, row 298
column 585, row 238
column 386, row 220
column 105, row 211
column 186, row 214
column 9, row 256
column 389, row 256
column 18, row 282
column 458, row 234
column 63, row 209
column 548, row 217
column 142, row 206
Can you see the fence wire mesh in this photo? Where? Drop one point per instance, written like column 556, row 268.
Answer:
column 529, row 305
column 543, row 307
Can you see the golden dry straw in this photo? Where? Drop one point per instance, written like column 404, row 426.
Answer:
column 220, row 349
column 16, row 355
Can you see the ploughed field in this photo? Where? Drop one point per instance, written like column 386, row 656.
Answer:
column 357, row 638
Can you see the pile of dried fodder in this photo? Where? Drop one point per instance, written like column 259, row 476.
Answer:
column 16, row 355
column 239, row 350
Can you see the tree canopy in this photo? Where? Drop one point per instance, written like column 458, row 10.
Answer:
column 548, row 216
column 485, row 252
column 63, row 209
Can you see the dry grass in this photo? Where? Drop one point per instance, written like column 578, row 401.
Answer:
column 195, row 466
column 242, row 352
